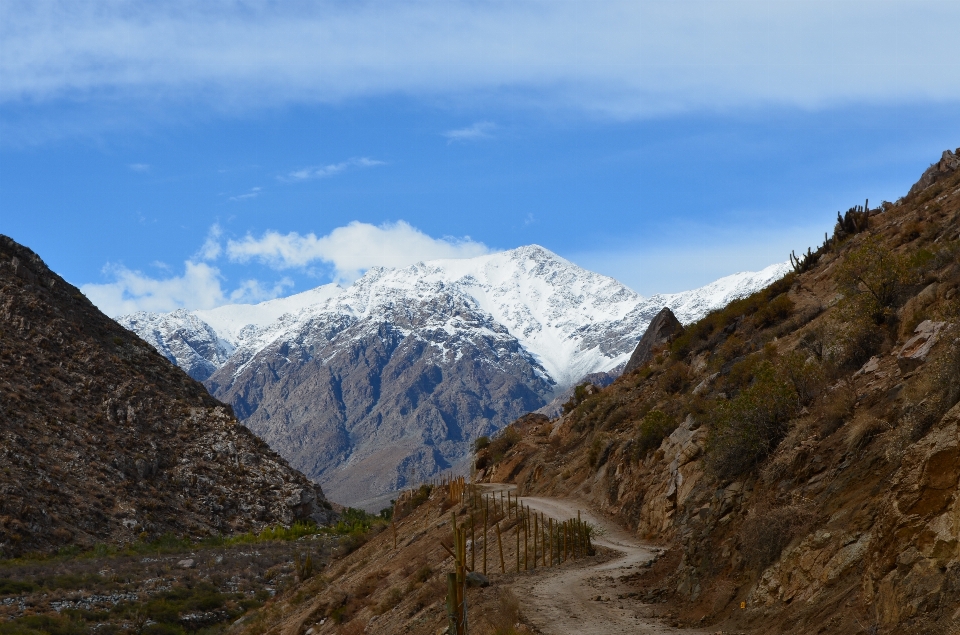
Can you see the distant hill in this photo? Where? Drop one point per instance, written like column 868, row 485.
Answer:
column 388, row 381
column 102, row 439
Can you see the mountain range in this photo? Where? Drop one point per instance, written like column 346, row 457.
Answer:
column 371, row 387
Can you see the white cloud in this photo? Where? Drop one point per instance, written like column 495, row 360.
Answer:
column 352, row 249
column 139, row 167
column 198, row 288
column 479, row 130
column 625, row 58
column 253, row 193
column 324, row 171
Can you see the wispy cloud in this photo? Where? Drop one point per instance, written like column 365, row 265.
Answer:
column 139, row 167
column 332, row 169
column 479, row 130
column 352, row 249
column 253, row 193
column 211, row 248
column 625, row 58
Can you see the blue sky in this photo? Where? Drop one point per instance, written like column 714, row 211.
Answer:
column 178, row 155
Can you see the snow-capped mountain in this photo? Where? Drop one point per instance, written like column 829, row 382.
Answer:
column 389, row 380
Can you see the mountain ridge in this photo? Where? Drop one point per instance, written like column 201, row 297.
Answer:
column 390, row 379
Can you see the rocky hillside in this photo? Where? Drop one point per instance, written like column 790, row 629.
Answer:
column 798, row 452
column 389, row 381
column 102, row 439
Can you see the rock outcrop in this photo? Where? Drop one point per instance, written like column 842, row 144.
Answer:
column 662, row 329
column 948, row 163
column 104, row 440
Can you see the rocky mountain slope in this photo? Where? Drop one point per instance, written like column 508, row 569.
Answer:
column 798, row 452
column 388, row 381
column 104, row 440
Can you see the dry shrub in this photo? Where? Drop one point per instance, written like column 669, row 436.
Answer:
column 423, row 574
column 353, row 628
column 855, row 339
column 505, row 620
column 393, row 598
column 767, row 532
column 674, row 378
column 863, row 431
column 369, row 584
column 836, row 408
column 433, row 590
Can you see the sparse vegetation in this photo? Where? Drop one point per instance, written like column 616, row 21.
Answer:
column 654, row 428
column 745, row 430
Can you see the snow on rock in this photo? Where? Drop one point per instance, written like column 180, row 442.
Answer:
column 571, row 321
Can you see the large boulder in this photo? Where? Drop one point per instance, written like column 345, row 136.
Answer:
column 661, row 330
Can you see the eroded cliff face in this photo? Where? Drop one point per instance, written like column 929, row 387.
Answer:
column 104, row 440
column 802, row 465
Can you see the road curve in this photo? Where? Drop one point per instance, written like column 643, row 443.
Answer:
column 563, row 600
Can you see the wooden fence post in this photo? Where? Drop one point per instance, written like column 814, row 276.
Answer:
column 550, row 530
column 473, row 543
column 484, row 540
column 503, row 567
column 518, row 546
column 535, row 540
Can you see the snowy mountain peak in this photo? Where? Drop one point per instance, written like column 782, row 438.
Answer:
column 570, row 320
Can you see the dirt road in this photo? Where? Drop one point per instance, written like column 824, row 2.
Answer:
column 561, row 601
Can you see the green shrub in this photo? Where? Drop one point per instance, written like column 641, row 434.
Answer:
column 419, row 497
column 506, row 439
column 872, row 278
column 42, row 625
column 14, row 587
column 704, row 333
column 480, row 443
column 805, row 375
column 774, row 311
column 744, row 430
column 654, row 428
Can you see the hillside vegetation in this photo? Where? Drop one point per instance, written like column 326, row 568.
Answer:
column 799, row 450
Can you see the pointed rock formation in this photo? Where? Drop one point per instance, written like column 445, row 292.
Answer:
column 661, row 330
